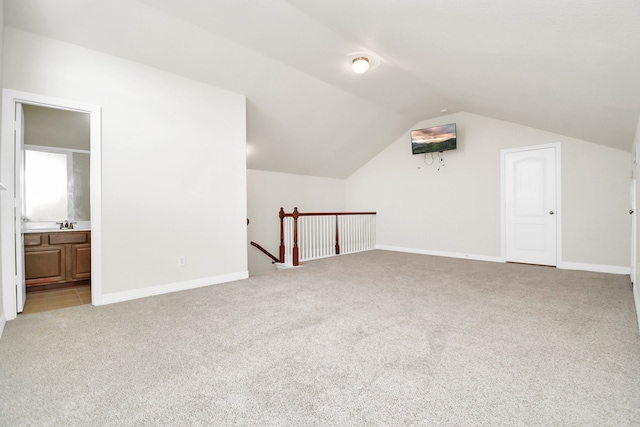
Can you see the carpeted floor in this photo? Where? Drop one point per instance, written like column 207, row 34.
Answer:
column 369, row 339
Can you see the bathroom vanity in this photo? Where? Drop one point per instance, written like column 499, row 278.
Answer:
column 57, row 257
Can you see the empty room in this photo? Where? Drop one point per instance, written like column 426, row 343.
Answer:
column 302, row 213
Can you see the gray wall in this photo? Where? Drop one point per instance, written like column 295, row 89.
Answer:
column 53, row 127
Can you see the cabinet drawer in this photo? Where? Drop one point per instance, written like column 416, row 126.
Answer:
column 32, row 239
column 67, row 237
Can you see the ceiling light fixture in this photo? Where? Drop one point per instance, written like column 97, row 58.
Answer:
column 360, row 65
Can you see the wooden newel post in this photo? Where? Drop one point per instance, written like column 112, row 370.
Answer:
column 295, row 236
column 281, row 215
column 337, row 237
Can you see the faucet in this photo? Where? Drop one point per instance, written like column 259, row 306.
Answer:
column 66, row 225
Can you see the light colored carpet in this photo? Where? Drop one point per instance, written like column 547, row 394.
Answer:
column 369, row 339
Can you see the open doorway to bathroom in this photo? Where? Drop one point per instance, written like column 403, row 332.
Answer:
column 67, row 243
column 54, row 164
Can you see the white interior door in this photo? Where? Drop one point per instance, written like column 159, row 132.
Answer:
column 21, row 289
column 530, row 206
column 632, row 212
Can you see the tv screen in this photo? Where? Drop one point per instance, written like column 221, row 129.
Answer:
column 434, row 139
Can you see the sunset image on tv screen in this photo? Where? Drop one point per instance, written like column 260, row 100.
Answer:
column 433, row 139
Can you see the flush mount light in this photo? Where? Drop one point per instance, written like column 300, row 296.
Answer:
column 363, row 61
column 360, row 65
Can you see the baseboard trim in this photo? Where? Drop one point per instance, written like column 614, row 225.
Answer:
column 171, row 287
column 3, row 320
column 596, row 268
column 440, row 253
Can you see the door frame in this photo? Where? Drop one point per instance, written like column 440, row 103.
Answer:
column 18, row 184
column 503, row 203
column 634, row 237
column 10, row 98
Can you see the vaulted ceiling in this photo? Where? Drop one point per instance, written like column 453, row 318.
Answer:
column 569, row 67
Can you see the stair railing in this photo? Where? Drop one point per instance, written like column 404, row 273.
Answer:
column 266, row 252
column 314, row 235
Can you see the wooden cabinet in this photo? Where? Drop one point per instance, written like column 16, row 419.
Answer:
column 57, row 258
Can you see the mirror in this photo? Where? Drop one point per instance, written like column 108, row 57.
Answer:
column 56, row 186
column 56, row 166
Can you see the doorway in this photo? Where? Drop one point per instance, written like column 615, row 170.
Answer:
column 531, row 205
column 12, row 210
column 55, row 191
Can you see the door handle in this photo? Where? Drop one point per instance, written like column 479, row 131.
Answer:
column 630, row 211
column 551, row 212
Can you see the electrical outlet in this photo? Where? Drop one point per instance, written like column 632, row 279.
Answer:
column 182, row 261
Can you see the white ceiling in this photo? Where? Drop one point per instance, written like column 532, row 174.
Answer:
column 569, row 67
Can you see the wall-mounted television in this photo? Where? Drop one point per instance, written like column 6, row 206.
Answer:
column 434, row 139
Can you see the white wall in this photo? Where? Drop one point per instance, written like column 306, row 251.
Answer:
column 456, row 210
column 173, row 164
column 596, row 222
column 267, row 192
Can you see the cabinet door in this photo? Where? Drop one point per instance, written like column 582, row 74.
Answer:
column 44, row 264
column 81, row 261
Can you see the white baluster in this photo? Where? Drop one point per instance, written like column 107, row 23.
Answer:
column 288, row 241
column 316, row 234
column 313, row 231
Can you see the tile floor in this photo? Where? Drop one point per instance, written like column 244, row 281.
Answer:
column 53, row 299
